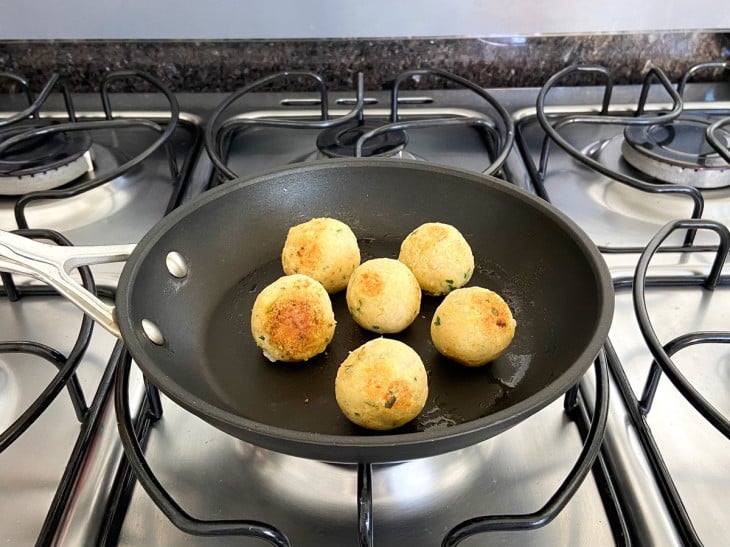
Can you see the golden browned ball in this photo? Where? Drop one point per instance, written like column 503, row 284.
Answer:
column 383, row 295
column 381, row 385
column 439, row 257
column 472, row 326
column 324, row 249
column 292, row 319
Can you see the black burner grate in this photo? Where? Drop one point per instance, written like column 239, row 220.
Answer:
column 590, row 422
column 639, row 407
column 73, row 126
column 22, row 132
column 354, row 136
column 592, row 429
column 636, row 123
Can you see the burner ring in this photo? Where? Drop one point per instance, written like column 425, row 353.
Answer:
column 340, row 141
column 42, row 153
column 676, row 152
column 43, row 162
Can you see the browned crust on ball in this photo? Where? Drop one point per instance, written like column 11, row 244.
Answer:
column 309, row 252
column 371, row 284
column 325, row 249
column 292, row 319
column 492, row 309
column 294, row 324
column 396, row 394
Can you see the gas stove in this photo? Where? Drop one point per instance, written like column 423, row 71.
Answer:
column 563, row 476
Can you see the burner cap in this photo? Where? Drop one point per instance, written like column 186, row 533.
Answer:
column 339, row 141
column 676, row 152
column 43, row 162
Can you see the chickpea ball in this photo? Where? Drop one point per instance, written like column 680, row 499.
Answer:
column 439, row 257
column 472, row 326
column 383, row 295
column 292, row 319
column 325, row 249
column 381, row 385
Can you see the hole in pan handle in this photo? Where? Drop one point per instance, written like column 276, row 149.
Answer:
column 53, row 265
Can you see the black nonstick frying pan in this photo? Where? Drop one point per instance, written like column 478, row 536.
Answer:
column 185, row 295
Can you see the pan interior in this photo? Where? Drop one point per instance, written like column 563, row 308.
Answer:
column 232, row 241
column 298, row 395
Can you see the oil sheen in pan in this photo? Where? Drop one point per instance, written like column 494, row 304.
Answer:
column 300, row 396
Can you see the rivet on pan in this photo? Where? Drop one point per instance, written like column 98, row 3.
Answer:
column 152, row 332
column 176, row 264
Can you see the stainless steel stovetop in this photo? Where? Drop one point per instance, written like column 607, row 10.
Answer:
column 213, row 476
column 619, row 219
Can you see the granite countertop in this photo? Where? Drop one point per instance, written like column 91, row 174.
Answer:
column 223, row 66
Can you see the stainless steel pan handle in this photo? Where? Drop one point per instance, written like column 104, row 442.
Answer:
column 53, row 264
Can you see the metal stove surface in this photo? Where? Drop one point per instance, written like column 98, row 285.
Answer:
column 615, row 215
column 118, row 212
column 610, row 212
column 214, row 476
column 260, row 148
column 696, row 454
column 31, row 468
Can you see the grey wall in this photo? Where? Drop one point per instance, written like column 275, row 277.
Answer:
column 211, row 19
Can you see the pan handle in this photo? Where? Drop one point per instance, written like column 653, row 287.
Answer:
column 53, row 265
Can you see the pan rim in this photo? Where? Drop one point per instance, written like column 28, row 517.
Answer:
column 372, row 447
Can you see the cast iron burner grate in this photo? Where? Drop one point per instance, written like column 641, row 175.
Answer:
column 590, row 422
column 718, row 138
column 32, row 147
column 677, row 134
column 87, row 414
column 663, row 364
column 662, row 149
column 341, row 141
column 29, row 130
column 354, row 134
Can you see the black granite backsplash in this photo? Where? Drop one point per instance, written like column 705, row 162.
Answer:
column 492, row 62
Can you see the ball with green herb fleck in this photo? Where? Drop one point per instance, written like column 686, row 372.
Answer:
column 381, row 385
column 472, row 326
column 439, row 256
column 383, row 296
column 325, row 249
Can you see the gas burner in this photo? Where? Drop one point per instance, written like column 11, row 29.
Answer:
column 339, row 141
column 43, row 162
column 338, row 137
column 677, row 152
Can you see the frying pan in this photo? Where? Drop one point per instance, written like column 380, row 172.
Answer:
column 185, row 295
